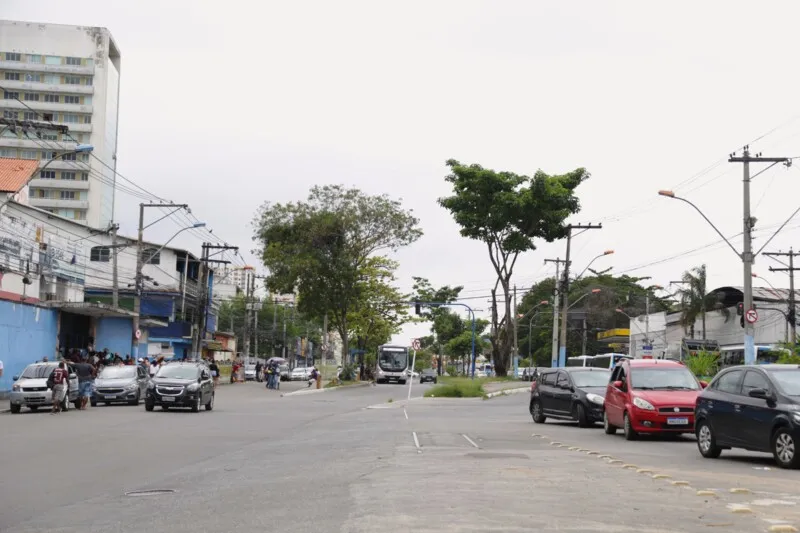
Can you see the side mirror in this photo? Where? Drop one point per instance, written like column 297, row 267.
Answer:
column 759, row 393
column 617, row 384
column 14, row 378
column 704, row 384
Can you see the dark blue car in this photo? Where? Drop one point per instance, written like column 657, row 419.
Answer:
column 756, row 408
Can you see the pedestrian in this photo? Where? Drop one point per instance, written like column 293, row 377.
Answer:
column 270, row 371
column 86, row 374
column 277, row 378
column 59, row 379
column 259, row 368
column 214, row 371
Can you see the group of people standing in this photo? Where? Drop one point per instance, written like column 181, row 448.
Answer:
column 272, row 374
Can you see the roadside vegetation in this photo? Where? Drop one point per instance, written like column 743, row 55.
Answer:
column 457, row 388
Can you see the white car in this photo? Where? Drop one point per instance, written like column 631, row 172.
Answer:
column 300, row 373
column 250, row 372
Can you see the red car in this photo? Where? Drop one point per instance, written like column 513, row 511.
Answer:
column 650, row 396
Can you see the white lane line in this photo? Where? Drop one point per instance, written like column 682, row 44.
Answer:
column 405, row 413
column 416, row 442
column 470, row 441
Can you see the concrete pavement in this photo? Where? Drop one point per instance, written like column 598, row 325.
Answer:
column 324, row 462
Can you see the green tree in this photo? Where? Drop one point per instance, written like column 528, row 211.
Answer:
column 696, row 302
column 460, row 346
column 446, row 324
column 320, row 248
column 507, row 212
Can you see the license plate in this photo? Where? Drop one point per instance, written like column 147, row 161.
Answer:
column 110, row 396
column 677, row 421
column 168, row 399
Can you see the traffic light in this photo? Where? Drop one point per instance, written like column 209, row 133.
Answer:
column 740, row 309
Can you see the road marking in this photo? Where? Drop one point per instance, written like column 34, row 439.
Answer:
column 416, row 442
column 574, row 449
column 662, row 476
column 740, row 490
column 644, row 471
column 555, row 443
column 405, row 413
column 706, row 493
column 591, row 452
column 563, row 446
column 630, row 466
column 680, row 483
column 470, row 441
column 782, row 528
column 739, row 509
column 615, row 462
column 605, row 457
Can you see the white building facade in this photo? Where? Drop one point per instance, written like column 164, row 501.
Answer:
column 70, row 76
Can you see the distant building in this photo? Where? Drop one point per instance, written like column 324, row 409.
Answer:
column 67, row 75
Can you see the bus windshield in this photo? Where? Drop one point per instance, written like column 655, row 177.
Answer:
column 393, row 360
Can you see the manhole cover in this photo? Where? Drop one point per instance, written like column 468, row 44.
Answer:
column 153, row 492
column 497, row 455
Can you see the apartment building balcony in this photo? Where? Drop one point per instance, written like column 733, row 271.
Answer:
column 58, row 164
column 70, row 185
column 19, row 66
column 54, row 203
column 41, row 105
column 38, row 144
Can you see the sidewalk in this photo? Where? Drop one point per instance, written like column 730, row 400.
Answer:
column 497, row 386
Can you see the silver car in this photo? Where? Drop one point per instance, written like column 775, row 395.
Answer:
column 30, row 388
column 120, row 384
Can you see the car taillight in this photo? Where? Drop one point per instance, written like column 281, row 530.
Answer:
column 533, row 386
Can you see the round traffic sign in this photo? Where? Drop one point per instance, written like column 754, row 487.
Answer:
column 415, row 344
column 138, row 334
column 751, row 316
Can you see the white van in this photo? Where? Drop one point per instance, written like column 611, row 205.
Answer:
column 608, row 360
column 580, row 360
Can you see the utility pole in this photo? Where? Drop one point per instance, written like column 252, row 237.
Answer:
column 747, row 252
column 562, row 350
column 647, row 323
column 585, row 337
column 114, row 271
column 516, row 338
column 556, row 291
column 205, row 296
column 275, row 324
column 325, row 340
column 790, row 316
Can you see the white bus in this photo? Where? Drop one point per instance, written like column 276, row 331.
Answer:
column 580, row 360
column 608, row 360
column 393, row 364
column 734, row 355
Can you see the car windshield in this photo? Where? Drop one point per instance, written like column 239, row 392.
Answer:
column 429, row 372
column 37, row 371
column 393, row 360
column 788, row 381
column 663, row 379
column 177, row 372
column 117, row 372
column 590, row 379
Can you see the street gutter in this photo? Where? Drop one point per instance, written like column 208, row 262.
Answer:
column 506, row 392
column 314, row 391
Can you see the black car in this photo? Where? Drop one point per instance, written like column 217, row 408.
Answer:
column 428, row 375
column 181, row 384
column 751, row 407
column 574, row 393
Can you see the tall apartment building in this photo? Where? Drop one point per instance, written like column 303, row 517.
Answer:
column 236, row 276
column 67, row 75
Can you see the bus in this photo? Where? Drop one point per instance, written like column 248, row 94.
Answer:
column 608, row 360
column 393, row 364
column 580, row 360
column 734, row 355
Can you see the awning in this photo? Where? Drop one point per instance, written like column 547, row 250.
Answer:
column 214, row 346
column 152, row 323
column 93, row 309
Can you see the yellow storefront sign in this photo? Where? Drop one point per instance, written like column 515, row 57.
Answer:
column 609, row 333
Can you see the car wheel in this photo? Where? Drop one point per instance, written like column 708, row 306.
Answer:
column 579, row 413
column 536, row 412
column 210, row 404
column 196, row 405
column 627, row 428
column 15, row 408
column 34, row 408
column 403, row 382
column 107, row 403
column 609, row 428
column 64, row 405
column 165, row 407
column 706, row 442
column 135, row 401
column 434, row 382
column 93, row 402
column 784, row 449
column 149, row 405
column 77, row 403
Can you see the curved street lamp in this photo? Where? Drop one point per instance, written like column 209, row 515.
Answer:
column 607, row 252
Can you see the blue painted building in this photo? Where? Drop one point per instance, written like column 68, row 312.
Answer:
column 27, row 333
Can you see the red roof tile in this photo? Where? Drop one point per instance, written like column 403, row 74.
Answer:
column 15, row 173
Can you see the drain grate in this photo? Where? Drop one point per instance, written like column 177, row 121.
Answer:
column 152, row 492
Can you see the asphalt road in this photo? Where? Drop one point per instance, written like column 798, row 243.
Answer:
column 343, row 461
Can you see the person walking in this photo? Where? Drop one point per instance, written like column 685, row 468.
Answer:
column 214, row 371
column 86, row 374
column 59, row 380
column 259, row 375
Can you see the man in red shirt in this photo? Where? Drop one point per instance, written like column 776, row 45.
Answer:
column 60, row 378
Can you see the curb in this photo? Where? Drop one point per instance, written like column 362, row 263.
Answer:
column 506, row 392
column 329, row 389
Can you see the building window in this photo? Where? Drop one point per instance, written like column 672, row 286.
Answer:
column 8, row 152
column 69, row 99
column 76, row 61
column 48, row 155
column 85, row 157
column 13, row 115
column 52, row 98
column 29, row 115
column 49, row 136
column 49, row 117
column 52, row 79
column 84, row 176
column 33, row 97
column 69, row 156
column 72, row 80
column 33, row 77
column 80, row 214
column 34, row 58
column 89, row 80
column 70, row 118
column 28, row 154
column 7, row 133
column 13, row 56
column 10, row 95
column 87, row 119
column 67, row 195
column 151, row 256
column 47, row 174
column 68, row 176
column 87, row 100
column 52, row 60
column 12, row 76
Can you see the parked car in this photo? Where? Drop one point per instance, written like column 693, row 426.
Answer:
column 428, row 375
column 120, row 384
column 30, row 388
column 284, row 370
column 751, row 407
column 250, row 372
column 184, row 384
column 300, row 373
column 650, row 396
column 572, row 393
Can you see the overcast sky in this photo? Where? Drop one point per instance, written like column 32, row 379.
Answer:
column 227, row 104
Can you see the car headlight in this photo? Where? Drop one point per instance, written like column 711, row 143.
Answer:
column 594, row 398
column 641, row 403
column 796, row 417
column 131, row 386
column 16, row 387
column 380, row 372
column 193, row 387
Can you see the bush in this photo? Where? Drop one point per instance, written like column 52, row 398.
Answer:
column 451, row 370
column 704, row 364
column 348, row 373
column 457, row 388
column 789, row 359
